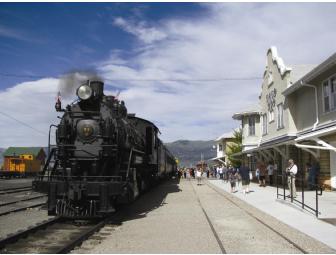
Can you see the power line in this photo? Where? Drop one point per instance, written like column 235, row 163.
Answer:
column 148, row 80
column 23, row 123
column 22, row 75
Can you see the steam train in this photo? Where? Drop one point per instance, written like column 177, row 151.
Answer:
column 103, row 156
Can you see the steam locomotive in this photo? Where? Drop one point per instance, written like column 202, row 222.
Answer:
column 103, row 156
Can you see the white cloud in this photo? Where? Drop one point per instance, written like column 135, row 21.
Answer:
column 33, row 104
column 140, row 29
column 231, row 41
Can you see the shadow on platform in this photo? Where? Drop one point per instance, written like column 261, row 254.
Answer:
column 149, row 201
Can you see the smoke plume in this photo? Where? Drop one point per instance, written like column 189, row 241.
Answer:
column 69, row 82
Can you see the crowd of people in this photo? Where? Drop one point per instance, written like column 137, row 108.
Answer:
column 242, row 175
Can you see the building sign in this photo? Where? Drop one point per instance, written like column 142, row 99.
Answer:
column 270, row 98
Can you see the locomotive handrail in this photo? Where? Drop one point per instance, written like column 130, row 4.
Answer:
column 46, row 165
column 129, row 162
column 83, row 112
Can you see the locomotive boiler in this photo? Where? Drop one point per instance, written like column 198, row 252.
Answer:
column 103, row 156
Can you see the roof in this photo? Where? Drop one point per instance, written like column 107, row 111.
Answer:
column 131, row 116
column 298, row 71
column 313, row 73
column 251, row 110
column 317, row 133
column 11, row 151
column 278, row 60
column 225, row 135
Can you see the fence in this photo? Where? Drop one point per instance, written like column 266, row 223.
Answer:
column 288, row 181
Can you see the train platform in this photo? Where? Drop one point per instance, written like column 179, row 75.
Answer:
column 183, row 217
column 265, row 199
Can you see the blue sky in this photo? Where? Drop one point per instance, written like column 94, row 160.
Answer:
column 170, row 61
column 61, row 37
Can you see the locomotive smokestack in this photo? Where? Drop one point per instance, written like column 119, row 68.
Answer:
column 98, row 88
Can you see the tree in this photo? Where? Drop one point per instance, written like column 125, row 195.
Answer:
column 235, row 147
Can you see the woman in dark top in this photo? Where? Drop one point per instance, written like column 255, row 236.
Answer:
column 245, row 175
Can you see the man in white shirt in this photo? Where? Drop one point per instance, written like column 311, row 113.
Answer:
column 291, row 171
column 220, row 172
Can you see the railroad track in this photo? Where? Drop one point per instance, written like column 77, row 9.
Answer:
column 230, row 200
column 22, row 200
column 22, row 204
column 15, row 190
column 52, row 236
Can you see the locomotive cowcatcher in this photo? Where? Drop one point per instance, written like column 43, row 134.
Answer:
column 103, row 156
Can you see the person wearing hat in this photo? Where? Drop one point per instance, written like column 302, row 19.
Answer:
column 291, row 171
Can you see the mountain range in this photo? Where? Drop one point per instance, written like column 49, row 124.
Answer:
column 186, row 151
column 190, row 152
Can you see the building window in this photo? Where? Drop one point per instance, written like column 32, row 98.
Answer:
column 220, row 147
column 333, row 92
column 329, row 94
column 271, row 115
column 251, row 122
column 326, row 96
column 280, row 123
column 264, row 124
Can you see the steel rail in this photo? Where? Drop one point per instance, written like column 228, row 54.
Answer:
column 24, row 233
column 62, row 246
column 15, row 190
column 22, row 200
column 22, row 208
column 217, row 190
column 79, row 239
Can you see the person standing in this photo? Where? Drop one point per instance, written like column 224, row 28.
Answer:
column 270, row 171
column 221, row 172
column 257, row 174
column 238, row 176
column 199, row 176
column 232, row 179
column 313, row 173
column 225, row 174
column 291, row 171
column 245, row 176
column 262, row 174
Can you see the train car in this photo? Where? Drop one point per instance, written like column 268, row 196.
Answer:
column 22, row 162
column 103, row 156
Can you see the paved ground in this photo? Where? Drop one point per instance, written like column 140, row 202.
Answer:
column 265, row 200
column 13, row 222
column 186, row 218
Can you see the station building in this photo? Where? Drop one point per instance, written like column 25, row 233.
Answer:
column 221, row 145
column 294, row 117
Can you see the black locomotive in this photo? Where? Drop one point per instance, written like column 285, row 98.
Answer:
column 103, row 156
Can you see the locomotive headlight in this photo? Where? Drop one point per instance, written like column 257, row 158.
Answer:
column 84, row 92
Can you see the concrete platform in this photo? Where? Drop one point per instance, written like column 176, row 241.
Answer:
column 291, row 214
column 187, row 218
